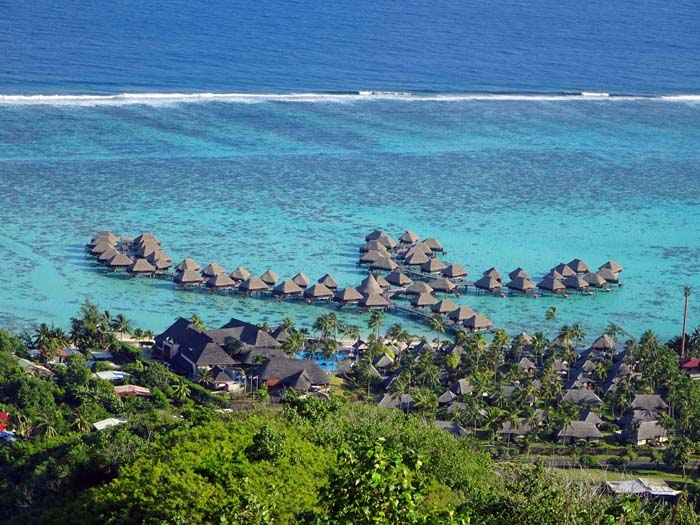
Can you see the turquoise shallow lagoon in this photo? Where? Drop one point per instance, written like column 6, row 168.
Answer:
column 296, row 185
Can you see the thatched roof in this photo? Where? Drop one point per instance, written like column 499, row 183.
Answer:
column 452, row 427
column 212, row 269
column 146, row 237
column 423, row 300
column 478, row 322
column 187, row 264
column 253, row 284
column 582, row 396
column 493, row 272
column 283, row 370
column 416, row 259
column 443, row 285
column 490, row 283
column 147, row 249
column 649, row 402
column 444, row 307
column 348, row 295
column 269, row 277
column 301, row 280
column 580, row 430
column 288, row 287
column 555, row 275
column 521, row 284
column 409, row 237
column 386, row 264
column 578, row 266
column 160, row 261
column 372, row 246
column 188, row 277
column 609, row 275
column 373, row 256
column 240, row 274
column 101, row 247
column 611, row 265
column 398, row 279
column 604, row 342
column 520, row 428
column 594, row 280
column 141, row 266
column 418, row 288
column 374, row 301
column 119, row 261
column 106, row 255
column 589, row 416
column 318, row 291
column 419, row 247
column 551, row 284
column 383, row 283
column 564, row 269
column 328, row 281
column 369, row 285
column 220, row 280
column 376, row 234
column 519, row 272
column 646, row 431
column 433, row 244
column 575, row 282
column 460, row 314
column 104, row 236
column 454, row 271
column 433, row 266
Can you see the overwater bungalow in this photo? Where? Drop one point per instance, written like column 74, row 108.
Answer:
column 374, row 302
column 408, row 238
column 423, row 300
column 187, row 264
column 551, row 284
column 420, row 247
column 373, row 256
column 564, row 269
column 433, row 244
column 574, row 282
column 372, row 246
column 188, row 278
column 382, row 282
column 434, row 265
column 493, row 273
column 146, row 237
column 104, row 236
column 418, row 288
column 460, row 314
column 301, row 280
column 595, row 280
column 454, row 271
column 578, row 266
column 253, row 285
column 141, row 267
column 270, row 278
column 119, row 262
column 489, row 283
column 521, row 284
column 318, row 292
column 383, row 238
column 477, row 323
column 161, row 261
column 212, row 270
column 240, row 274
column 287, row 288
column 611, row 265
column 444, row 307
column 443, row 285
column 519, row 272
column 385, row 264
column 609, row 275
column 555, row 275
column 347, row 296
column 101, row 247
column 396, row 278
column 220, row 281
column 369, row 285
column 416, row 259
column 106, row 255
column 146, row 249
column 329, row 282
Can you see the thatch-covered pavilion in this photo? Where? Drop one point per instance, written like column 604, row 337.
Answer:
column 385, row 264
column 551, row 284
column 489, row 284
column 369, row 285
column 396, row 278
column 187, row 264
column 613, row 266
column 433, row 266
column 374, row 302
column 270, row 278
column 478, row 323
column 433, row 244
column 253, row 285
column 212, row 270
column 578, row 266
column 119, row 262
column 416, row 259
column 519, row 272
column 409, row 238
column 328, row 281
column 574, row 282
column 564, row 269
column 444, row 307
column 521, row 284
column 595, row 280
column 423, row 300
column 348, row 296
column 419, row 287
column 220, row 281
column 240, row 274
column 301, row 280
column 443, row 285
column 318, row 292
column 141, row 267
column 461, row 314
column 188, row 278
column 454, row 271
column 287, row 288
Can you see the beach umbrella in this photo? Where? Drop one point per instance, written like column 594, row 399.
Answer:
column 329, row 282
column 423, row 300
column 397, row 278
column 385, row 264
column 416, row 259
column 492, row 272
column 460, row 314
column 443, row 285
column 106, row 255
column 433, row 266
column 301, row 280
column 348, row 295
column 318, row 292
column 188, row 278
column 374, row 301
column 253, row 285
column 478, row 322
column 519, row 272
column 212, row 269
column 101, row 247
column 595, row 280
column 119, row 261
column 521, row 284
column 220, row 281
column 141, row 267
column 419, row 288
column 409, row 237
column 611, row 265
column 444, row 307
column 551, row 284
column 286, row 288
column 187, row 264
column 578, row 266
column 489, row 283
column 609, row 275
column 564, row 269
column 369, row 285
column 270, row 277
column 433, row 244
column 454, row 271
column 240, row 274
column 574, row 282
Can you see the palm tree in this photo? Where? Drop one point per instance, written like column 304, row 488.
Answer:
column 425, row 401
column 149, row 335
column 551, row 313
column 81, row 421
column 180, row 391
column 323, row 325
column 23, row 426
column 42, row 336
column 198, row 322
column 120, row 324
column 329, row 348
column 47, row 423
column 287, row 325
column 437, row 323
column 686, row 294
column 375, row 322
column 138, row 335
column 294, row 343
column 614, row 331
column 577, row 333
column 204, row 376
column 395, row 332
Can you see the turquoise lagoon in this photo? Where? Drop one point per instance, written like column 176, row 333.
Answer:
column 296, row 185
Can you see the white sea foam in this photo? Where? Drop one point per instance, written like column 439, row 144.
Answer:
column 178, row 98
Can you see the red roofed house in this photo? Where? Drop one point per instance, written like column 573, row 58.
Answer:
column 691, row 366
column 4, row 421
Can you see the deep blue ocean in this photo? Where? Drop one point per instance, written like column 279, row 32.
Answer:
column 296, row 182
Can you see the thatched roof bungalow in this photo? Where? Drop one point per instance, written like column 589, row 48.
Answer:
column 578, row 266
column 433, row 244
column 419, row 287
column 595, row 280
column 521, row 284
column 489, row 283
column 454, row 271
column 478, row 323
column 253, row 285
column 611, row 265
column 576, row 430
column 551, row 284
column 240, row 274
column 409, row 238
column 460, row 314
column 416, row 259
column 187, row 264
column 328, row 281
column 270, row 278
column 444, row 307
column 347, row 296
column 434, row 265
column 396, row 278
column 141, row 267
column 119, row 262
column 286, row 289
column 220, row 281
column 212, row 270
column 301, row 280
column 385, row 264
column 318, row 292
column 564, row 270
column 188, row 278
column 423, row 300
column 369, row 285
column 374, row 302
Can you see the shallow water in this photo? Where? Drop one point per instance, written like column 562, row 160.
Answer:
column 297, row 185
